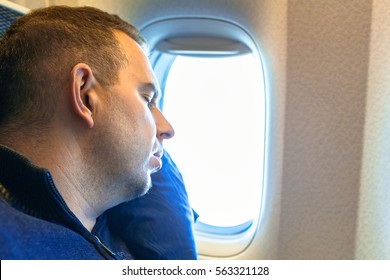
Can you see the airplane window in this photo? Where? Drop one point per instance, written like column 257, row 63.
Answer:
column 217, row 107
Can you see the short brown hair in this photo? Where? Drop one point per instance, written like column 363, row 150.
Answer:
column 40, row 49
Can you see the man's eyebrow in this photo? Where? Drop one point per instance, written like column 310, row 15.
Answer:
column 150, row 87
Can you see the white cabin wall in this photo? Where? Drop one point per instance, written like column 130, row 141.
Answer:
column 34, row 4
column 30, row 4
column 373, row 232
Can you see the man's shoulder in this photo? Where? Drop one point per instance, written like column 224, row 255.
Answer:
column 26, row 237
column 15, row 223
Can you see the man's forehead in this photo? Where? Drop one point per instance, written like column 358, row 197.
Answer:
column 128, row 44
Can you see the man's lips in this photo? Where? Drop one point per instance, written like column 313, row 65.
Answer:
column 157, row 162
column 159, row 153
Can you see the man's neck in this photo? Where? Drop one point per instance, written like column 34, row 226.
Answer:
column 69, row 182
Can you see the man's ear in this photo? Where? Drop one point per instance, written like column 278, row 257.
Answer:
column 83, row 95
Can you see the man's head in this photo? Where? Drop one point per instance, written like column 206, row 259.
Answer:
column 40, row 49
column 82, row 76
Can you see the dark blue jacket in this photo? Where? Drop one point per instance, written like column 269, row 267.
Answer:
column 35, row 222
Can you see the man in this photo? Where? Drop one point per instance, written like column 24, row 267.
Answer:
column 80, row 132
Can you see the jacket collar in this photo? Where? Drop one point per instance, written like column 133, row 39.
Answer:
column 31, row 190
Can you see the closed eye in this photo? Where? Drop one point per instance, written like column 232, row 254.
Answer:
column 150, row 101
column 150, row 93
column 149, row 90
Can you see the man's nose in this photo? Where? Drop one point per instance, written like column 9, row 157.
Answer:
column 164, row 128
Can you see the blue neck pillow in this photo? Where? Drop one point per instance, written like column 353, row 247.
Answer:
column 158, row 225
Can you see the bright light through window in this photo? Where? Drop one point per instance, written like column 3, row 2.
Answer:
column 216, row 106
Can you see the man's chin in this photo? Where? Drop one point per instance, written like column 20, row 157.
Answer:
column 147, row 187
column 140, row 189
